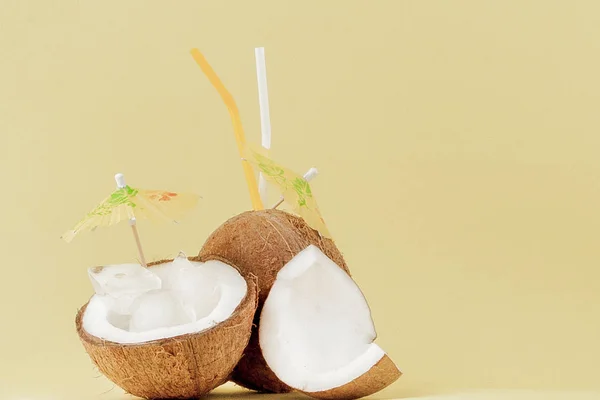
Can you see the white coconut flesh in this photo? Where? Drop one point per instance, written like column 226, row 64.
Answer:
column 134, row 304
column 316, row 332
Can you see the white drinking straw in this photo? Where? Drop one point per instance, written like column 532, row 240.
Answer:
column 265, row 120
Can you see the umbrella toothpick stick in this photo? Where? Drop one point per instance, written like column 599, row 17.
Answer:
column 132, row 222
column 308, row 176
column 136, row 235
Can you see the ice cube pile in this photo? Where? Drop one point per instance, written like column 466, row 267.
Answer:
column 141, row 299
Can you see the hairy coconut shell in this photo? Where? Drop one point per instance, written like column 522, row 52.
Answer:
column 380, row 376
column 180, row 367
column 260, row 243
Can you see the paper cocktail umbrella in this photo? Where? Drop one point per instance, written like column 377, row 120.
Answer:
column 127, row 203
column 294, row 188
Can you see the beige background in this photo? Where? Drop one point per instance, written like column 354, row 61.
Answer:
column 458, row 148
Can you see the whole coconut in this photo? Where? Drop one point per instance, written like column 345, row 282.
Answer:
column 259, row 244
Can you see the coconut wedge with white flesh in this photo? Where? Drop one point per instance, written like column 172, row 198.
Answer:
column 259, row 244
column 316, row 333
column 179, row 340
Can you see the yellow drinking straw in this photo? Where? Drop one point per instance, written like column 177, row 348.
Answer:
column 237, row 125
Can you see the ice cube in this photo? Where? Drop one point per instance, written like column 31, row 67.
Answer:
column 121, row 304
column 158, row 309
column 123, row 280
column 117, row 320
column 196, row 288
column 167, row 272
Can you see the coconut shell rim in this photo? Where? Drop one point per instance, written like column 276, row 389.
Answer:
column 252, row 291
column 339, row 391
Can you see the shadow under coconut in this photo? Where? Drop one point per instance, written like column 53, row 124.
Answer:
column 229, row 391
column 256, row 396
column 241, row 393
column 298, row 396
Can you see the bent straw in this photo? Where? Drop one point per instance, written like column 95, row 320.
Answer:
column 265, row 120
column 237, row 125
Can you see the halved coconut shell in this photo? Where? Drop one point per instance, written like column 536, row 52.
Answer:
column 317, row 334
column 377, row 378
column 180, row 367
column 259, row 244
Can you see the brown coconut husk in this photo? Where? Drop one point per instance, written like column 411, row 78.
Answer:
column 380, row 376
column 260, row 243
column 181, row 367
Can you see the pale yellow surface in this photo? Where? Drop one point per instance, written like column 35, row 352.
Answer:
column 458, row 144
